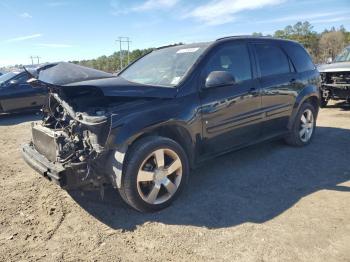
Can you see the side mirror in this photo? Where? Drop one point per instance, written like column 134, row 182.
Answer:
column 13, row 82
column 219, row 78
column 329, row 60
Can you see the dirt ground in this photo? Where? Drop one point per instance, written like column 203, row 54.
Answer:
column 269, row 202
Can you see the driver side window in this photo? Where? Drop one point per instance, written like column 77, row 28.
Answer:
column 232, row 58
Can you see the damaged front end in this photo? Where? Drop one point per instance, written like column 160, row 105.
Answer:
column 75, row 140
column 69, row 145
column 335, row 85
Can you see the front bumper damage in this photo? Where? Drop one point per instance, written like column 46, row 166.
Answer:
column 75, row 176
column 68, row 176
column 335, row 85
column 53, row 171
column 336, row 91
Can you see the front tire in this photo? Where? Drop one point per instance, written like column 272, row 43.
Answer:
column 304, row 126
column 155, row 172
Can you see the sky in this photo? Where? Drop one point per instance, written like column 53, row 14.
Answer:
column 63, row 30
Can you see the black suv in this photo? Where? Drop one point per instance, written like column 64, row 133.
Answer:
column 143, row 130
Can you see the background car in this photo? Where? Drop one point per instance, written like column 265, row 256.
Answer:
column 17, row 95
column 336, row 78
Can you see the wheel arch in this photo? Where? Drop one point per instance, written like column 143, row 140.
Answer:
column 173, row 131
column 311, row 94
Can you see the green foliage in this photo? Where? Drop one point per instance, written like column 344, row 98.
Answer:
column 319, row 45
column 303, row 33
column 112, row 63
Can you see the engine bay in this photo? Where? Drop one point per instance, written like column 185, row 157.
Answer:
column 75, row 137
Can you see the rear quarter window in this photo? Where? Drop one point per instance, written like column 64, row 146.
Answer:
column 272, row 60
column 299, row 57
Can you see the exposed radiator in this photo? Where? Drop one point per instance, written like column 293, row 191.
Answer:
column 44, row 141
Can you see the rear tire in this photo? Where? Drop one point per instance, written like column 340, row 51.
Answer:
column 303, row 128
column 155, row 172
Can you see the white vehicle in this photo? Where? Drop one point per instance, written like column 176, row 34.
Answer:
column 336, row 78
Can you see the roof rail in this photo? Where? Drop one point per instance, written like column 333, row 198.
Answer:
column 165, row 46
column 232, row 36
column 242, row 36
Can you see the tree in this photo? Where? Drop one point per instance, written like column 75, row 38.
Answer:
column 112, row 63
column 280, row 34
column 319, row 45
column 331, row 44
column 303, row 33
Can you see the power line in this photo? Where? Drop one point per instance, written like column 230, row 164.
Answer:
column 121, row 40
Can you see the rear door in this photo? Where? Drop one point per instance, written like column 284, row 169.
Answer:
column 20, row 95
column 231, row 114
column 277, row 79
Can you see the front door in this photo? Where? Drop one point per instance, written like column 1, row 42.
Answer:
column 231, row 115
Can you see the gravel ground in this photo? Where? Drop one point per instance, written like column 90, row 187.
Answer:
column 269, row 202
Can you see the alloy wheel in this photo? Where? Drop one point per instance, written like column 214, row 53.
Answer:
column 159, row 176
column 307, row 125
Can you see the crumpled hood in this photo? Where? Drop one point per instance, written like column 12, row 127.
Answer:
column 67, row 75
column 64, row 73
column 118, row 86
column 334, row 67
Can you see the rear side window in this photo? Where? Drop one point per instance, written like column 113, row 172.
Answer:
column 300, row 57
column 271, row 59
column 233, row 58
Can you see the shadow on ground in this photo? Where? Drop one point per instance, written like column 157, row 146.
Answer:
column 252, row 185
column 343, row 105
column 18, row 118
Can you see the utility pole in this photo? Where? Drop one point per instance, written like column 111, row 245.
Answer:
column 121, row 40
column 128, row 41
column 120, row 53
column 37, row 59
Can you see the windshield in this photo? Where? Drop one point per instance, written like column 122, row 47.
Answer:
column 6, row 77
column 344, row 56
column 164, row 67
